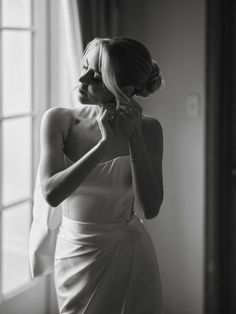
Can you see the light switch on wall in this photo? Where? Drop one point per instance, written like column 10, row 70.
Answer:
column 193, row 105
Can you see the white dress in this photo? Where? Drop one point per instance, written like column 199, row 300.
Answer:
column 106, row 268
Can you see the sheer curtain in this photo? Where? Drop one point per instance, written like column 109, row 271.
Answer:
column 84, row 20
column 73, row 42
column 99, row 19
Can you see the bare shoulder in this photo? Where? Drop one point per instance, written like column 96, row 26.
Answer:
column 151, row 126
column 58, row 114
column 152, row 133
column 57, row 119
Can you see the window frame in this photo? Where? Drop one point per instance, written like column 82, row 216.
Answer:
column 40, row 100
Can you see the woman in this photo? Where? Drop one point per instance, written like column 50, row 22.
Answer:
column 103, row 161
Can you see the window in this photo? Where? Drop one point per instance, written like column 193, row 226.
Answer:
column 17, row 140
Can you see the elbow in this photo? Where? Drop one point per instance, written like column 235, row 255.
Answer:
column 50, row 198
column 153, row 209
column 52, row 202
column 152, row 212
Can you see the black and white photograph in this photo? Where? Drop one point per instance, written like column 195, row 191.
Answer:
column 117, row 157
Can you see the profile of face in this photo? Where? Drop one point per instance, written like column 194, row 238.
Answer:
column 114, row 70
column 91, row 88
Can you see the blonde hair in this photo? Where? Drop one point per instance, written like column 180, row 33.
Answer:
column 125, row 62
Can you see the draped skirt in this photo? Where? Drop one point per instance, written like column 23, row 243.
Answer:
column 106, row 268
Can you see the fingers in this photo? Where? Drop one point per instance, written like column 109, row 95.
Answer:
column 110, row 105
column 133, row 108
column 106, row 130
column 111, row 112
column 124, row 115
column 136, row 105
column 131, row 112
column 106, row 115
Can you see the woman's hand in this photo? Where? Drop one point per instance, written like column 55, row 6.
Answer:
column 106, row 113
column 130, row 118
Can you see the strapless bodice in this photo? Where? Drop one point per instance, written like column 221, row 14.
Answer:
column 105, row 195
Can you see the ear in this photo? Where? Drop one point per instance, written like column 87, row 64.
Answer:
column 128, row 90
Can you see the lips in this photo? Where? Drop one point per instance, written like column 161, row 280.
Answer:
column 82, row 91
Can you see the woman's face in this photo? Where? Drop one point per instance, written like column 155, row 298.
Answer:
column 91, row 89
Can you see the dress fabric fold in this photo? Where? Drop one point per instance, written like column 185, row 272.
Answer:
column 106, row 268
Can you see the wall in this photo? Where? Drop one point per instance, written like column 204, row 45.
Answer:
column 174, row 32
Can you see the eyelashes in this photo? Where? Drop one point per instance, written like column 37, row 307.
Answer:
column 96, row 76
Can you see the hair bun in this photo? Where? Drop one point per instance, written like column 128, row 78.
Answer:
column 154, row 82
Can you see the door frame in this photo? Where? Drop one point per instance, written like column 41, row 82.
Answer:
column 220, row 252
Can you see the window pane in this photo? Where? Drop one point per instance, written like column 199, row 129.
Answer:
column 15, row 234
column 16, row 68
column 16, row 13
column 16, row 159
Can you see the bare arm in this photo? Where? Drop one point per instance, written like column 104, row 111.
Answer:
column 146, row 150
column 58, row 183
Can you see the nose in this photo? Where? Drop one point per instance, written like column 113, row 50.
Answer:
column 86, row 76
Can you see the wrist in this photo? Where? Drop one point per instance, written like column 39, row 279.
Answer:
column 135, row 138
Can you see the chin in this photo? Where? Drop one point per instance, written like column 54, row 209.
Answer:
column 83, row 99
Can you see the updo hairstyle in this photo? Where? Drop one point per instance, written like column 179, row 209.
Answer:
column 126, row 62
